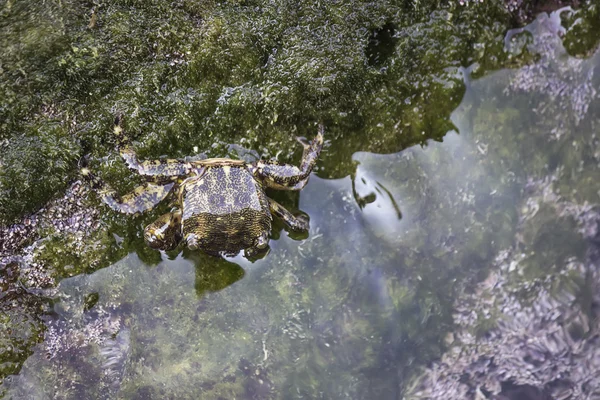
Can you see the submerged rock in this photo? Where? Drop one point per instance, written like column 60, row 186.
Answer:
column 521, row 335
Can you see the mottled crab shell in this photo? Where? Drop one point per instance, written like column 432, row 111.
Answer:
column 224, row 208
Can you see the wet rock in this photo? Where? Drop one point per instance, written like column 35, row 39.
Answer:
column 70, row 214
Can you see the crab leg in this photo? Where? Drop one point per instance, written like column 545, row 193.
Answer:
column 164, row 167
column 311, row 150
column 289, row 177
column 299, row 224
column 143, row 198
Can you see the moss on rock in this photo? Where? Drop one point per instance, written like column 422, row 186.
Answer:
column 204, row 74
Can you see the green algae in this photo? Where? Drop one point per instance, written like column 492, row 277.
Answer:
column 190, row 75
column 41, row 164
column 579, row 39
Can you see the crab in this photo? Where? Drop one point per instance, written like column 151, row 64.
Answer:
column 220, row 204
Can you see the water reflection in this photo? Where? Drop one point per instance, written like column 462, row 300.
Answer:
column 367, row 192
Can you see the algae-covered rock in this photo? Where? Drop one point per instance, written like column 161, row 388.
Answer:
column 203, row 75
column 32, row 167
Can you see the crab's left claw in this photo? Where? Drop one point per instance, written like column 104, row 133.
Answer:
column 262, row 241
column 165, row 232
column 192, row 241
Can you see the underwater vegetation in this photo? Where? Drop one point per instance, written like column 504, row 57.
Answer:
column 453, row 210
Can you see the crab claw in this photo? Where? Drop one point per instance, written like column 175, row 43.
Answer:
column 192, row 242
column 262, row 241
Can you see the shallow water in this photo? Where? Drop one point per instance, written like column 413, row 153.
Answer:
column 367, row 300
